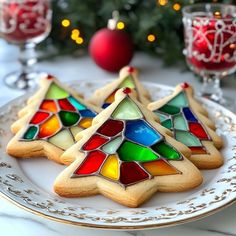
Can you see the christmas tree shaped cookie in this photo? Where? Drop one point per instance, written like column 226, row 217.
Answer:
column 49, row 123
column 104, row 96
column 126, row 156
column 188, row 121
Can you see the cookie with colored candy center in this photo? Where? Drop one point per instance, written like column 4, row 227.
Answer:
column 126, row 156
column 187, row 119
column 49, row 123
column 128, row 78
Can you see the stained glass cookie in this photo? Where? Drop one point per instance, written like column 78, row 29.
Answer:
column 50, row 121
column 126, row 156
column 128, row 77
column 188, row 121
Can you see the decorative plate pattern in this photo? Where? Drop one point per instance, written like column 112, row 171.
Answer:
column 217, row 191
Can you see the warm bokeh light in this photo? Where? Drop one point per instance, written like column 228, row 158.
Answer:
column 74, row 36
column 232, row 46
column 120, row 25
column 151, row 38
column 217, row 14
column 75, row 32
column 176, row 6
column 162, row 2
column 79, row 40
column 65, row 23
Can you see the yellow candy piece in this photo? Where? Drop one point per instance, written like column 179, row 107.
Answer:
column 85, row 122
column 110, row 168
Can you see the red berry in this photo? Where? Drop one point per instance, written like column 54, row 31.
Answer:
column 127, row 90
column 184, row 85
column 50, row 77
column 131, row 69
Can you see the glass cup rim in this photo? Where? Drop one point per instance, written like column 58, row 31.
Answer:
column 186, row 10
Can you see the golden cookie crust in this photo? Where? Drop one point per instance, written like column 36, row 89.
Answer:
column 213, row 158
column 142, row 94
column 134, row 195
column 37, row 148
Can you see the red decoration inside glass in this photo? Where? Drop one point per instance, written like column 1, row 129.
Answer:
column 25, row 21
column 211, row 42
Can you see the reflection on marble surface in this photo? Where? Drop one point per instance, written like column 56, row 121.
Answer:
column 15, row 221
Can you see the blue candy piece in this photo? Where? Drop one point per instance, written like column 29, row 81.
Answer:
column 105, row 105
column 140, row 132
column 76, row 104
column 189, row 115
column 87, row 113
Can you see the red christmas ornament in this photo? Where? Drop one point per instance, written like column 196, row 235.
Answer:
column 111, row 49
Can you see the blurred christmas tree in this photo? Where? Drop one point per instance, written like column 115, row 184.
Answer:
column 155, row 26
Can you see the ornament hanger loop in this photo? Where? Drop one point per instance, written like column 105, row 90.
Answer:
column 113, row 22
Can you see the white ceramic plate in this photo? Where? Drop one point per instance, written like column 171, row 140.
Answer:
column 28, row 183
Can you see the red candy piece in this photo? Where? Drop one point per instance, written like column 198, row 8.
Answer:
column 50, row 77
column 39, row 117
column 127, row 90
column 94, row 142
column 131, row 69
column 111, row 128
column 92, row 163
column 66, row 105
column 198, row 150
column 131, row 172
column 184, row 85
column 197, row 130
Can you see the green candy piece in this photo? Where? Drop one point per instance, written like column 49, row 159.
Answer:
column 167, row 123
column 129, row 151
column 127, row 82
column 166, row 151
column 180, row 123
column 179, row 101
column 112, row 146
column 127, row 110
column 187, row 138
column 170, row 109
column 31, row 132
column 68, row 118
column 161, row 116
column 56, row 92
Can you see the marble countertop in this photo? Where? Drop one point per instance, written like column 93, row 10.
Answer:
column 15, row 221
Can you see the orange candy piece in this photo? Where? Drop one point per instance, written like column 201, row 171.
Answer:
column 49, row 105
column 49, row 128
column 159, row 167
column 111, row 97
